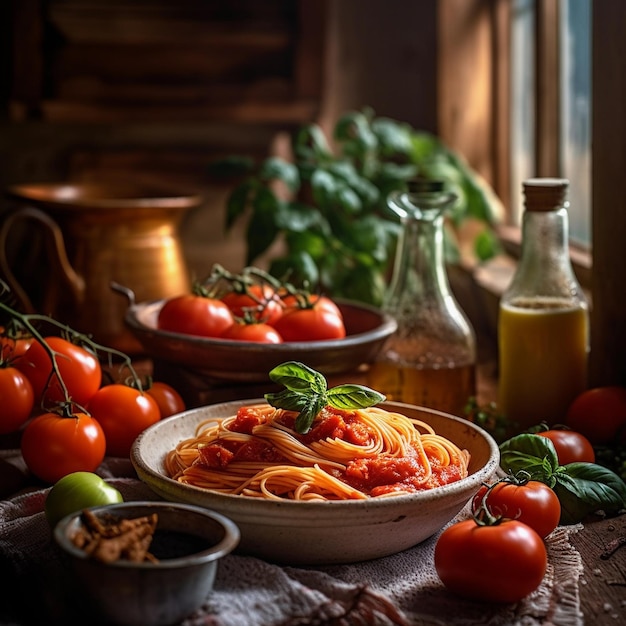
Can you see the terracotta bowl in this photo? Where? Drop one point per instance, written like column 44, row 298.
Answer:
column 189, row 541
column 308, row 533
column 367, row 329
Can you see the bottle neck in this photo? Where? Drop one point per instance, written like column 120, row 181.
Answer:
column 544, row 267
column 419, row 269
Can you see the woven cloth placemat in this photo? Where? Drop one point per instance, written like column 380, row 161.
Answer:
column 402, row 589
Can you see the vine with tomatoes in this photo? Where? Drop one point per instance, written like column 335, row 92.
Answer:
column 54, row 394
column 553, row 475
column 510, row 520
column 251, row 306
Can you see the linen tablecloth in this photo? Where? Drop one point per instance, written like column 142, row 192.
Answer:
column 402, row 589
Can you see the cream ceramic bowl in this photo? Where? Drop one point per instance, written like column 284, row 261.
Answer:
column 308, row 533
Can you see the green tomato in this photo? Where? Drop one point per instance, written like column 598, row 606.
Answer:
column 77, row 491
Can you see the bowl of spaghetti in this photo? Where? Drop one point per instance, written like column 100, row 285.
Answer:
column 361, row 484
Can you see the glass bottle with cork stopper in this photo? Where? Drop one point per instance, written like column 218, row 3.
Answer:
column 431, row 358
column 543, row 325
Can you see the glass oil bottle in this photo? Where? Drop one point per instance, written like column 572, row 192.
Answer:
column 431, row 358
column 543, row 324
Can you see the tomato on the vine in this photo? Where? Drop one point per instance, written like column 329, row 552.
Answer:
column 570, row 446
column 293, row 301
column 531, row 502
column 12, row 348
column 16, row 398
column 123, row 412
column 469, row 557
column 80, row 371
column 599, row 414
column 314, row 323
column 169, row 401
column 257, row 332
column 193, row 314
column 54, row 445
column 261, row 302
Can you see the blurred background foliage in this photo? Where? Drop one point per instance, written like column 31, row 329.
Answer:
column 323, row 212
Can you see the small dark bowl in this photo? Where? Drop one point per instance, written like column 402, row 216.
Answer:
column 188, row 541
column 367, row 328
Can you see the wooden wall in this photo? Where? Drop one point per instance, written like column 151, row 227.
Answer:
column 155, row 90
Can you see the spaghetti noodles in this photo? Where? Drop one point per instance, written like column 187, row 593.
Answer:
column 348, row 454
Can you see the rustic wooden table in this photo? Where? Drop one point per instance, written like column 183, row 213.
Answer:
column 602, row 547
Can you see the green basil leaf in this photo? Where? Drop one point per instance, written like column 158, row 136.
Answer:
column 351, row 396
column 348, row 200
column 584, row 488
column 304, row 421
column 525, row 446
column 324, row 187
column 531, row 453
column 394, row 137
column 262, row 229
column 298, row 217
column 307, row 393
column 237, row 202
column 275, row 168
column 298, row 266
column 288, row 400
column 298, row 377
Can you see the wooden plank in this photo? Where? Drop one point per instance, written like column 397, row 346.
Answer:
column 465, row 91
column 285, row 113
column 547, row 61
column 608, row 318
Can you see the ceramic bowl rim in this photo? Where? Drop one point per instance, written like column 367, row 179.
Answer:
column 227, row 544
column 386, row 327
column 335, row 508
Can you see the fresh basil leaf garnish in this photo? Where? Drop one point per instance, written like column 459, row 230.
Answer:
column 307, row 393
column 298, row 377
column 306, row 417
column 288, row 400
column 353, row 397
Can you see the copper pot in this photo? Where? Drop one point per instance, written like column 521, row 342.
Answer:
column 99, row 234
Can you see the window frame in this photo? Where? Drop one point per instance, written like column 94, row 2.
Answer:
column 473, row 40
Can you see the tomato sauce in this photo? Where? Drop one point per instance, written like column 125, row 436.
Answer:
column 374, row 476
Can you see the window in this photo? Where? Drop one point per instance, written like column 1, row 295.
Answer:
column 550, row 103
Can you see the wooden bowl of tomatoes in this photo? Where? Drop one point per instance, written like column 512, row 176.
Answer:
column 244, row 361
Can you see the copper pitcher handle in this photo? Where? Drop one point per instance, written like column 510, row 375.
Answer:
column 56, row 251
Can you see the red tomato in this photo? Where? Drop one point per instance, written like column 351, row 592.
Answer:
column 11, row 349
column 80, row 371
column 167, row 398
column 260, row 301
column 532, row 503
column 305, row 301
column 54, row 446
column 310, row 325
column 195, row 315
column 123, row 412
column 571, row 447
column 256, row 331
column 469, row 559
column 599, row 414
column 16, row 399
